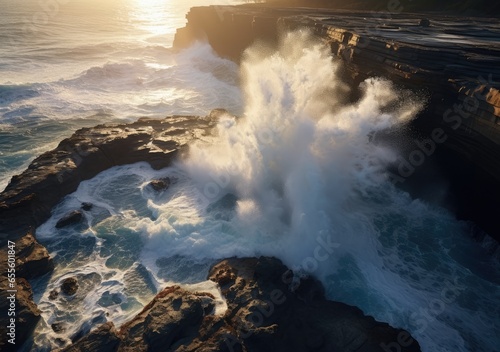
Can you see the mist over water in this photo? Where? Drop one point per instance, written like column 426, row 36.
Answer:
column 300, row 155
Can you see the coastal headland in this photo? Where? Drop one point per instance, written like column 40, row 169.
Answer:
column 452, row 61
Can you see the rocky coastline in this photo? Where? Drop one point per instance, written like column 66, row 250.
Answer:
column 179, row 319
column 266, row 311
column 29, row 198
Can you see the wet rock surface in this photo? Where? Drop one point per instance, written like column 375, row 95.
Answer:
column 103, row 339
column 265, row 313
column 72, row 218
column 58, row 327
column 69, row 286
column 31, row 258
column 160, row 185
column 53, row 294
column 87, row 206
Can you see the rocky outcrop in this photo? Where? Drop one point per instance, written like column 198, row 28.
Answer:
column 266, row 311
column 69, row 286
column 31, row 258
column 160, row 185
column 173, row 317
column 29, row 198
column 73, row 217
column 26, row 315
column 103, row 339
column 453, row 61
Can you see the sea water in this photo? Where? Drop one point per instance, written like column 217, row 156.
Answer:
column 292, row 172
column 66, row 64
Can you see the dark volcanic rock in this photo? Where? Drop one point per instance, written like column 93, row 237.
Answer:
column 69, row 286
column 161, row 184
column 424, row 22
column 31, row 260
column 264, row 314
column 173, row 315
column 58, row 327
column 53, row 295
column 71, row 218
column 262, row 308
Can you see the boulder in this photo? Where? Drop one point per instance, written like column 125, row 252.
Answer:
column 57, row 327
column 53, row 295
column 87, row 206
column 424, row 22
column 71, row 218
column 69, row 286
column 160, row 185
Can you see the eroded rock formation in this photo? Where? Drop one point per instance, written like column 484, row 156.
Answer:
column 265, row 312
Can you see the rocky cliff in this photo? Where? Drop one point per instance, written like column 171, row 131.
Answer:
column 453, row 61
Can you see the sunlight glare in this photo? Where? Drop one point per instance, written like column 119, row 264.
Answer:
column 153, row 16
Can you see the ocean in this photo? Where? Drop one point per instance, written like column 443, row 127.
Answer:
column 294, row 174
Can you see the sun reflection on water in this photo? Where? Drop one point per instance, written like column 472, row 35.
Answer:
column 154, row 17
